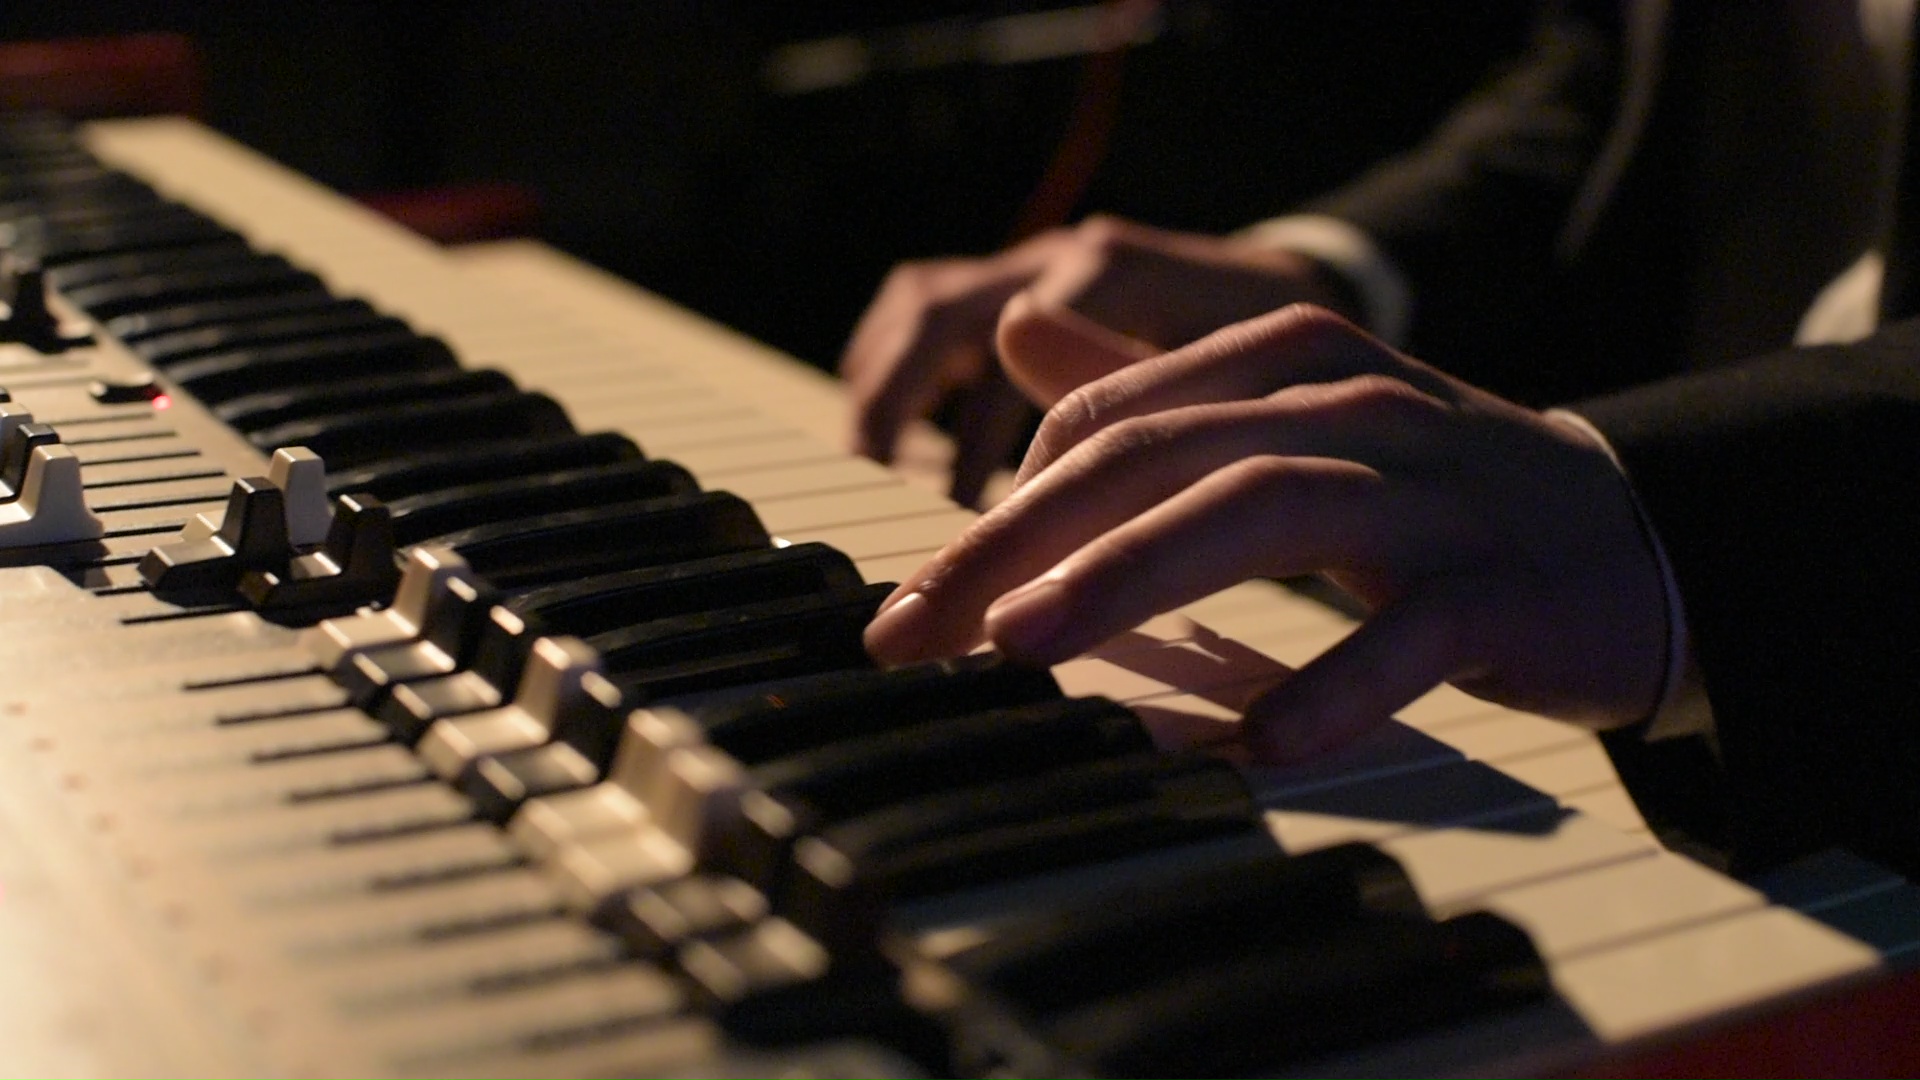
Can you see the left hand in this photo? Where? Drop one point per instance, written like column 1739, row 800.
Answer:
column 1496, row 547
column 928, row 333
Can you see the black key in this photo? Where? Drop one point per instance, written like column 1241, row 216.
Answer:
column 418, row 518
column 850, row 777
column 273, row 407
column 108, row 194
column 1197, row 915
column 1272, row 1006
column 111, row 268
column 841, row 883
column 164, row 349
column 626, row 598
column 840, row 780
column 555, row 547
column 750, row 643
column 70, row 244
column 218, row 378
column 109, row 189
column 775, row 639
column 772, row 985
column 54, row 175
column 709, row 648
column 166, row 320
column 38, row 228
column 80, row 182
column 757, row 642
column 395, row 431
column 494, row 460
column 801, row 714
column 582, row 748
column 253, row 277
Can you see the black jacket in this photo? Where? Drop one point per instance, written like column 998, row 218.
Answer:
column 1557, row 232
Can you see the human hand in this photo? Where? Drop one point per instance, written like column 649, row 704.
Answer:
column 1496, row 547
column 929, row 331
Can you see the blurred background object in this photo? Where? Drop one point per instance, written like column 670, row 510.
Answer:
column 765, row 161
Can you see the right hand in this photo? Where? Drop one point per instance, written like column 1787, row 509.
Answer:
column 1497, row 548
column 929, row 332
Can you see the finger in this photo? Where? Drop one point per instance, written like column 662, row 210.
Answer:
column 1264, row 516
column 925, row 317
column 1123, row 473
column 1112, row 272
column 991, row 422
column 1049, row 351
column 1148, row 284
column 1435, row 634
column 1293, row 346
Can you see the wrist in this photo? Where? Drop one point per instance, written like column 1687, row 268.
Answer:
column 1326, row 286
column 1678, row 707
column 1349, row 265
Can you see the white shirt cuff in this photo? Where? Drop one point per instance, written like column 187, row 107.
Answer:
column 1346, row 250
column 1683, row 708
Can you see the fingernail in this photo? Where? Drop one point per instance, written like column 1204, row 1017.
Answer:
column 1027, row 622
column 895, row 634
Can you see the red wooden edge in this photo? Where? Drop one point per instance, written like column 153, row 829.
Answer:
column 1861, row 1030
column 459, row 213
column 84, row 78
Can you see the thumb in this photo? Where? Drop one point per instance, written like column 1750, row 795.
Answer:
column 1049, row 352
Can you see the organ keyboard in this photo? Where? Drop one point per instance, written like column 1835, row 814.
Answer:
column 213, row 863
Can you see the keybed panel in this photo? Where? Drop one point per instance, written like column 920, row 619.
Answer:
column 222, row 873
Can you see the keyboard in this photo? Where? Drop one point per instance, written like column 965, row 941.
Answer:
column 215, row 863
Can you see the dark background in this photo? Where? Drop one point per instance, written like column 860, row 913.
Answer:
column 651, row 137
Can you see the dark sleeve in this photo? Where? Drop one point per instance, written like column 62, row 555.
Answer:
column 1474, row 215
column 1787, row 495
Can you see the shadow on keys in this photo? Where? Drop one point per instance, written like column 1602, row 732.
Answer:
column 1358, row 788
column 1471, row 837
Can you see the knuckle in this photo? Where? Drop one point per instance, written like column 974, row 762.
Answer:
column 930, row 281
column 1259, row 473
column 1278, row 480
column 1369, row 397
column 1093, row 582
column 1386, row 396
column 1072, row 415
column 1314, row 326
column 1374, row 390
column 1106, row 236
column 1131, row 438
column 908, row 277
column 1104, row 582
column 1262, row 478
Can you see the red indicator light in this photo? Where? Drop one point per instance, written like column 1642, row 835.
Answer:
column 162, row 402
